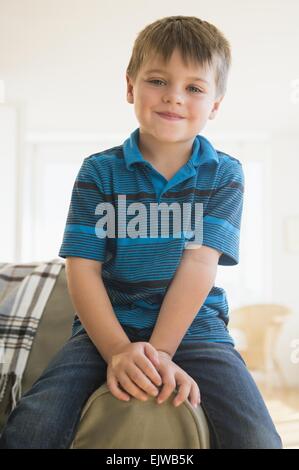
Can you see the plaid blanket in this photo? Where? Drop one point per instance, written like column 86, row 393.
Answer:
column 24, row 291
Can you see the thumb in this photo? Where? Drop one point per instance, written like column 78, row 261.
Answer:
column 152, row 354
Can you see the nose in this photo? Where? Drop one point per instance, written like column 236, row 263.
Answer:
column 173, row 97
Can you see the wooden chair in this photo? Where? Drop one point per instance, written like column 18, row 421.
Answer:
column 261, row 325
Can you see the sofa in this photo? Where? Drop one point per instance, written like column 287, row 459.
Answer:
column 107, row 422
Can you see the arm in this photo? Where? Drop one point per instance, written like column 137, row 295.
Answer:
column 93, row 306
column 188, row 290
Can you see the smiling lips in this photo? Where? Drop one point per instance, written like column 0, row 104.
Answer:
column 170, row 116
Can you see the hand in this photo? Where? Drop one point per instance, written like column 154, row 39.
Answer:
column 133, row 369
column 173, row 375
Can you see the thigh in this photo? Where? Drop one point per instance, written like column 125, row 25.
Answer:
column 48, row 413
column 235, row 410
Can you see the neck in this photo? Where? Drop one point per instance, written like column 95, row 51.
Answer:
column 170, row 154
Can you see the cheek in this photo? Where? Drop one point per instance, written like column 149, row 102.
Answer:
column 195, row 112
column 151, row 94
column 201, row 109
column 148, row 103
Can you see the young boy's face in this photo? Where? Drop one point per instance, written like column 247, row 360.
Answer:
column 175, row 92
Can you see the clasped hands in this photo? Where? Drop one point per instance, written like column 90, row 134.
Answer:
column 138, row 370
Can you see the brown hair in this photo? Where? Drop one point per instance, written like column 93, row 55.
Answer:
column 198, row 41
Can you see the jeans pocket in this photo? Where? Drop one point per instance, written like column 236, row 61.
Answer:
column 78, row 336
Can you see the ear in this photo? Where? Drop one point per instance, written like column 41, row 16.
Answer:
column 215, row 107
column 130, row 96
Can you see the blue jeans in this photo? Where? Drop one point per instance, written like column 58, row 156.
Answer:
column 48, row 414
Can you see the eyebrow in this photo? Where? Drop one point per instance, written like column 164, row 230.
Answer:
column 190, row 78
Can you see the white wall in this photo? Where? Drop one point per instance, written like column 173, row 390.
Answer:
column 64, row 61
column 8, row 180
column 285, row 259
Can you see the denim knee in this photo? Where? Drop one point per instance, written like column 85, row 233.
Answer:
column 26, row 429
column 259, row 437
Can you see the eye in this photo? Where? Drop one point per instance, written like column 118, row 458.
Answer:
column 153, row 81
column 193, row 87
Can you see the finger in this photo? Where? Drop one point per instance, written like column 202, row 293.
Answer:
column 166, row 391
column 116, row 389
column 149, row 370
column 195, row 397
column 130, row 386
column 183, row 392
column 152, row 354
column 141, row 380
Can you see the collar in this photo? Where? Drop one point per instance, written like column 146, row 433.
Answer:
column 202, row 151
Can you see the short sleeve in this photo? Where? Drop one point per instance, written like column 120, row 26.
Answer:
column 80, row 238
column 222, row 217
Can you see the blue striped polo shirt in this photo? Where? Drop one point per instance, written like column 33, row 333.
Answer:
column 137, row 270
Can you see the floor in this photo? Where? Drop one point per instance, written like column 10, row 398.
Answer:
column 283, row 406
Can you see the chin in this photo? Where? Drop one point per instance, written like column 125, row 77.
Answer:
column 169, row 137
column 169, row 132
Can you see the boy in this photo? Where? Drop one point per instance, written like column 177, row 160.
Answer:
column 149, row 318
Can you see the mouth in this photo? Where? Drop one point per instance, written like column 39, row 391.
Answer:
column 170, row 117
